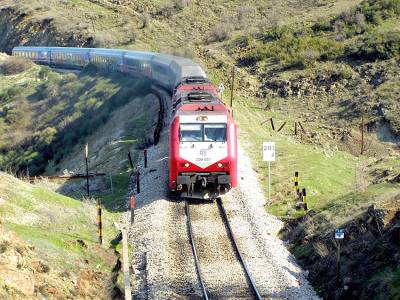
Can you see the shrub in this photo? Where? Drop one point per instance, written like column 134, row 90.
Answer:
column 90, row 69
column 4, row 97
column 361, row 19
column 297, row 52
column 321, row 25
column 220, row 33
column 44, row 72
column 14, row 115
column 276, row 33
column 377, row 46
column 70, row 77
column 376, row 10
column 15, row 65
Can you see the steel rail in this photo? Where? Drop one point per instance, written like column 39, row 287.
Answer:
column 241, row 259
column 196, row 259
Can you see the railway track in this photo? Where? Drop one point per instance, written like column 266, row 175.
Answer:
column 251, row 291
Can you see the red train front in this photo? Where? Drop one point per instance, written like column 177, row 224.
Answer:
column 203, row 146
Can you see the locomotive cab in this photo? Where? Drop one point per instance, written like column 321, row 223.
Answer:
column 202, row 154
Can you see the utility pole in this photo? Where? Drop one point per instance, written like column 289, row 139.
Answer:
column 232, row 87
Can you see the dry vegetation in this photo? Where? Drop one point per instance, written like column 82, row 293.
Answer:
column 327, row 63
column 14, row 65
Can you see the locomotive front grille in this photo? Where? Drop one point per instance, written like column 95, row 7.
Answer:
column 186, row 178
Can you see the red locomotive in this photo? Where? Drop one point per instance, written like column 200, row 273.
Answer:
column 203, row 143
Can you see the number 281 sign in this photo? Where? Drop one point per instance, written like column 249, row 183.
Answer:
column 269, row 151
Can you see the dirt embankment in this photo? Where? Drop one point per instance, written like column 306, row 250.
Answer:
column 24, row 275
column 369, row 256
column 19, row 28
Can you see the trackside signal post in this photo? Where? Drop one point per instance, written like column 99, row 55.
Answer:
column 269, row 155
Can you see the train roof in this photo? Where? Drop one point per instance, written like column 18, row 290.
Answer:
column 193, row 80
column 101, row 51
column 127, row 53
column 139, row 54
column 204, row 110
column 197, row 97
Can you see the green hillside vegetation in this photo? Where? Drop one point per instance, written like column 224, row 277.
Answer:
column 370, row 31
column 44, row 114
column 328, row 64
column 65, row 249
column 314, row 58
column 336, row 50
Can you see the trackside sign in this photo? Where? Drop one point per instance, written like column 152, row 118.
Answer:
column 269, row 151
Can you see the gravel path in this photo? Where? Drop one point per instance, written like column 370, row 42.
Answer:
column 162, row 263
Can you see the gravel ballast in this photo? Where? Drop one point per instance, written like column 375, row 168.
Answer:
column 162, row 261
column 273, row 267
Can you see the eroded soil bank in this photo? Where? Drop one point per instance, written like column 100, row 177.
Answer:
column 369, row 254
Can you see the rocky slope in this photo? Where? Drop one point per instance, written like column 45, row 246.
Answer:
column 45, row 255
column 19, row 27
column 368, row 254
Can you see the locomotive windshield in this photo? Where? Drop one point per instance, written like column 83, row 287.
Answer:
column 202, row 133
column 214, row 132
column 191, row 133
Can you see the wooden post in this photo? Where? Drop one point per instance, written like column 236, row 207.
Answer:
column 362, row 134
column 301, row 126
column 295, row 128
column 232, row 87
column 87, row 169
column 111, row 184
column 137, row 180
column 145, row 157
column 99, row 222
column 130, row 160
column 283, row 125
column 272, row 124
column 125, row 266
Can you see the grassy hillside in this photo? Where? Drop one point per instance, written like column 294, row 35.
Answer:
column 37, row 233
column 45, row 114
column 331, row 65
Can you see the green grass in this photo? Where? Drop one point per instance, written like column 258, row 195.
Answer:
column 117, row 200
column 342, row 208
column 60, row 111
column 53, row 223
column 323, row 177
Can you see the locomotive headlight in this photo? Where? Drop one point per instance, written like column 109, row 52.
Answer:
column 186, row 165
column 220, row 165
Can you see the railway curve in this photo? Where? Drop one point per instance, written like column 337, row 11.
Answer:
column 163, row 264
